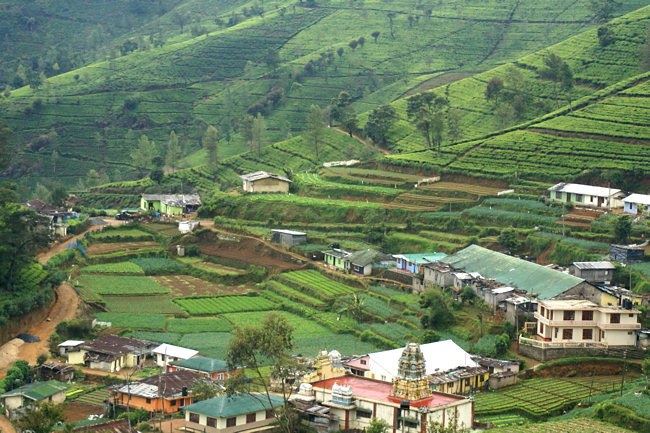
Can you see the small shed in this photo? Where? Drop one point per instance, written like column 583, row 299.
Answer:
column 335, row 258
column 594, row 272
column 188, row 226
column 167, row 353
column 56, row 371
column 360, row 262
column 288, row 237
column 261, row 181
column 633, row 203
column 69, row 346
column 626, row 253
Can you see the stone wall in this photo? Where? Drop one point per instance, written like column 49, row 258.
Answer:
column 550, row 354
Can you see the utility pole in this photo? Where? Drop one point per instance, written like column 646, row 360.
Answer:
column 624, row 368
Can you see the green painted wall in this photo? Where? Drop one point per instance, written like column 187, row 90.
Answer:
column 144, row 204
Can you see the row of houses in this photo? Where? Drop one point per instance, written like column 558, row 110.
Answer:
column 598, row 197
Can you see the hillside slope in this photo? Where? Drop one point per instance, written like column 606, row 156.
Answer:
column 91, row 118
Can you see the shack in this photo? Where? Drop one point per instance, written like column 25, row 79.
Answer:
column 288, row 237
column 261, row 181
column 594, row 272
column 170, row 204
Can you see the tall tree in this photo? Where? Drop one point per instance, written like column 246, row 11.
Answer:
column 553, row 71
column 246, row 129
column 5, row 154
column 567, row 82
column 258, row 130
column 211, row 144
column 380, row 120
column 349, row 120
column 59, row 196
column 315, row 128
column 493, row 89
column 173, row 151
column 144, row 153
column 255, row 346
column 426, row 111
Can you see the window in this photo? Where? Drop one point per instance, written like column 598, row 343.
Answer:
column 630, row 315
column 567, row 334
column 410, row 423
column 542, row 310
column 363, row 413
column 615, row 318
column 569, row 315
column 556, row 332
column 220, row 376
column 231, row 422
column 587, row 316
column 148, row 400
column 250, row 417
column 578, row 198
column 466, row 382
column 591, row 198
column 541, row 328
column 172, row 403
column 269, row 414
column 194, row 417
column 363, row 362
column 212, row 422
column 587, row 334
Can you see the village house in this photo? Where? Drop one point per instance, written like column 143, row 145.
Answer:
column 261, row 181
column 587, row 195
column 582, row 323
column 165, row 392
column 411, row 262
column 480, row 265
column 57, row 218
column 170, row 204
column 449, row 367
column 407, row 404
column 289, row 238
column 502, row 372
column 51, row 391
column 56, row 371
column 361, row 262
column 167, row 353
column 634, row 202
column 111, row 353
column 626, row 253
column 231, row 414
column 209, row 367
column 593, row 272
column 335, row 258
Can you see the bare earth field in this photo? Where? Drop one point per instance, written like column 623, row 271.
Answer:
column 185, row 285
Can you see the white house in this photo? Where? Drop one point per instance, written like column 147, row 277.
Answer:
column 587, row 195
column 583, row 323
column 37, row 392
column 632, row 203
column 167, row 353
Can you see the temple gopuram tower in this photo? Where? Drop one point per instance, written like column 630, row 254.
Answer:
column 411, row 383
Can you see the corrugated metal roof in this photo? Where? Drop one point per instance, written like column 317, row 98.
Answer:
column 252, row 177
column 38, row 390
column 593, row 265
column 337, row 253
column 531, row 277
column 201, row 363
column 71, row 343
column 289, row 232
column 638, row 199
column 421, row 258
column 365, row 257
column 237, row 404
column 176, row 200
column 576, row 188
column 175, row 351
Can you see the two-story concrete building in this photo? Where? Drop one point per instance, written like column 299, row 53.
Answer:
column 582, row 323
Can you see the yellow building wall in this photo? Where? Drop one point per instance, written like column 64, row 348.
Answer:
column 76, row 357
column 607, row 299
column 270, row 185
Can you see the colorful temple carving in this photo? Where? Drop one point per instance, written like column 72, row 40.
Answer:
column 411, row 383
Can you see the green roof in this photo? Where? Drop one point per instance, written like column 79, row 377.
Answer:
column 201, row 363
column 237, row 404
column 533, row 278
column 38, row 390
column 423, row 258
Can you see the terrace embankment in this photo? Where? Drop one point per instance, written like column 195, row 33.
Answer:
column 586, row 367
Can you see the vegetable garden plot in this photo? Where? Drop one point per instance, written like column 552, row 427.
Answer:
column 158, row 337
column 133, row 321
column 113, row 268
column 121, row 285
column 317, row 284
column 212, row 344
column 185, row 285
column 224, row 304
column 194, row 325
column 105, row 248
column 138, row 304
column 302, row 327
column 572, row 426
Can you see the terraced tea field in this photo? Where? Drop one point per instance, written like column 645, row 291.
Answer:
column 540, row 397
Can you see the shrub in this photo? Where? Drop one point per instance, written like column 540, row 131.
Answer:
column 61, row 258
column 192, row 251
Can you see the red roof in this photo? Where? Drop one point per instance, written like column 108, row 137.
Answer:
column 356, row 363
column 378, row 390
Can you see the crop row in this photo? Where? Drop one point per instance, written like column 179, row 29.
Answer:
column 122, row 285
column 292, row 293
column 318, row 284
column 224, row 304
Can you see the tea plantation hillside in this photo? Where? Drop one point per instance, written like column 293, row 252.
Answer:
column 92, row 117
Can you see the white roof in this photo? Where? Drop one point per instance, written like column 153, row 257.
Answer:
column 71, row 343
column 594, row 265
column 517, row 300
column 576, row 188
column 463, row 276
column 440, row 356
column 638, row 199
column 289, row 232
column 257, row 175
column 500, row 290
column 175, row 351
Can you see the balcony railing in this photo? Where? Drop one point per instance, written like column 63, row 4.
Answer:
column 559, row 345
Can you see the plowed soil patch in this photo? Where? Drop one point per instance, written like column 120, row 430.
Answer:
column 104, row 248
column 185, row 285
column 248, row 251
